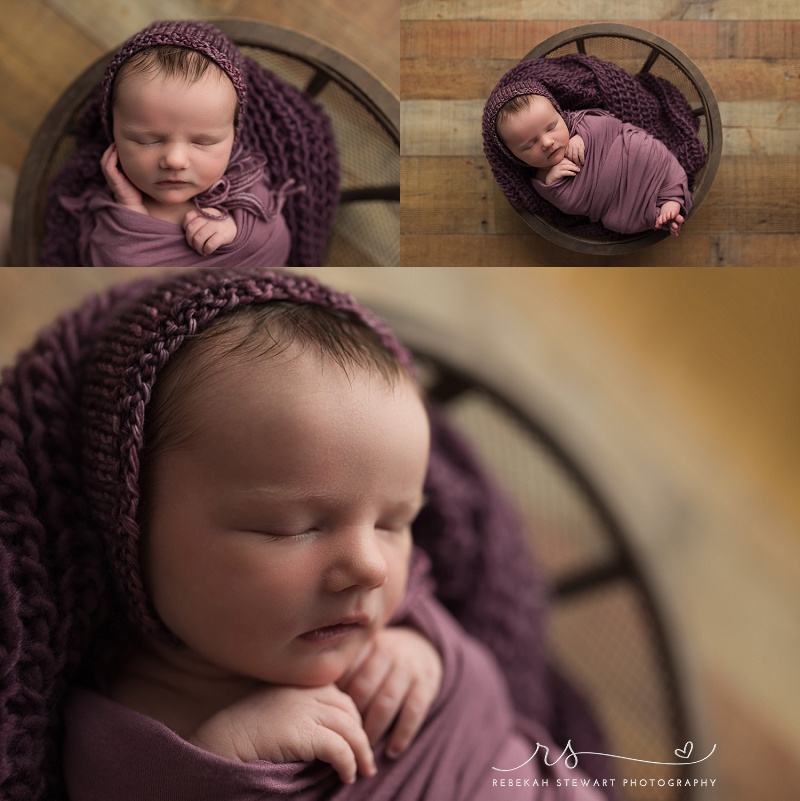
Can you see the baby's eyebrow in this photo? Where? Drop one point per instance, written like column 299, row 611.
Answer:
column 133, row 127
column 139, row 130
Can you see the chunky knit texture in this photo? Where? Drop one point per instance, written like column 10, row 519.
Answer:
column 72, row 413
column 281, row 132
column 577, row 82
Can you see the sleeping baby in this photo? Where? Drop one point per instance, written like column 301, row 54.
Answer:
column 600, row 167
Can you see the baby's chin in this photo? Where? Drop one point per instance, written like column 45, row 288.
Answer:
column 326, row 669
column 547, row 164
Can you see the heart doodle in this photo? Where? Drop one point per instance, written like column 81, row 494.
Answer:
column 686, row 751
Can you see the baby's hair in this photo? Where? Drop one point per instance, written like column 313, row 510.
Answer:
column 172, row 61
column 510, row 108
column 252, row 334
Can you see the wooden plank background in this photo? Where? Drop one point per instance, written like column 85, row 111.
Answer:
column 452, row 55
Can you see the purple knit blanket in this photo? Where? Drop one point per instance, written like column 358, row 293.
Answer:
column 290, row 129
column 580, row 82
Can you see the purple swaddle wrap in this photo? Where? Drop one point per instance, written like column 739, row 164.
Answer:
column 114, row 752
column 71, row 428
column 625, row 179
column 111, row 234
column 578, row 82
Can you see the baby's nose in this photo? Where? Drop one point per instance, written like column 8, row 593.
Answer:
column 174, row 157
column 358, row 560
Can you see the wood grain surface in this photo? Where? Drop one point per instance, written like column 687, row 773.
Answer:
column 452, row 54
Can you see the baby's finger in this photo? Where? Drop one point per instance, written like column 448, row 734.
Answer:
column 330, row 747
column 212, row 244
column 412, row 715
column 191, row 238
column 197, row 232
column 342, row 742
column 365, row 684
column 387, row 703
column 190, row 217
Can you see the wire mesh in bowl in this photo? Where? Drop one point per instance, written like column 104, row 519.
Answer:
column 365, row 117
column 364, row 113
column 637, row 51
column 607, row 631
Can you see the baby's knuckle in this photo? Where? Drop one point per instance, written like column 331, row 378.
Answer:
column 415, row 707
column 349, row 706
column 387, row 702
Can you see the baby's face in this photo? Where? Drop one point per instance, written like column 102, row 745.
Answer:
column 174, row 137
column 537, row 135
column 278, row 537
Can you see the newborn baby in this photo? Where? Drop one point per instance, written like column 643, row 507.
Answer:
column 608, row 170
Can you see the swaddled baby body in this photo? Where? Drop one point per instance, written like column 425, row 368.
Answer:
column 610, row 171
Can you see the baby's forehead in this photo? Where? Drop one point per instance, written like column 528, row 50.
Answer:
column 150, row 66
column 244, row 386
column 235, row 358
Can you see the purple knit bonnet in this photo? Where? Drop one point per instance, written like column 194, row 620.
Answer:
column 203, row 37
column 245, row 168
column 503, row 93
column 124, row 367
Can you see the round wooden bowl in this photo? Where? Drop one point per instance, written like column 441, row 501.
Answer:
column 637, row 51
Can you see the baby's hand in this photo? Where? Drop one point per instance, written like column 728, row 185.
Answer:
column 291, row 724
column 125, row 193
column 566, row 168
column 576, row 150
column 397, row 676
column 206, row 235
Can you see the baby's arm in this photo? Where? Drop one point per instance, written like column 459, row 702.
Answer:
column 206, row 235
column 291, row 724
column 125, row 193
column 395, row 679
